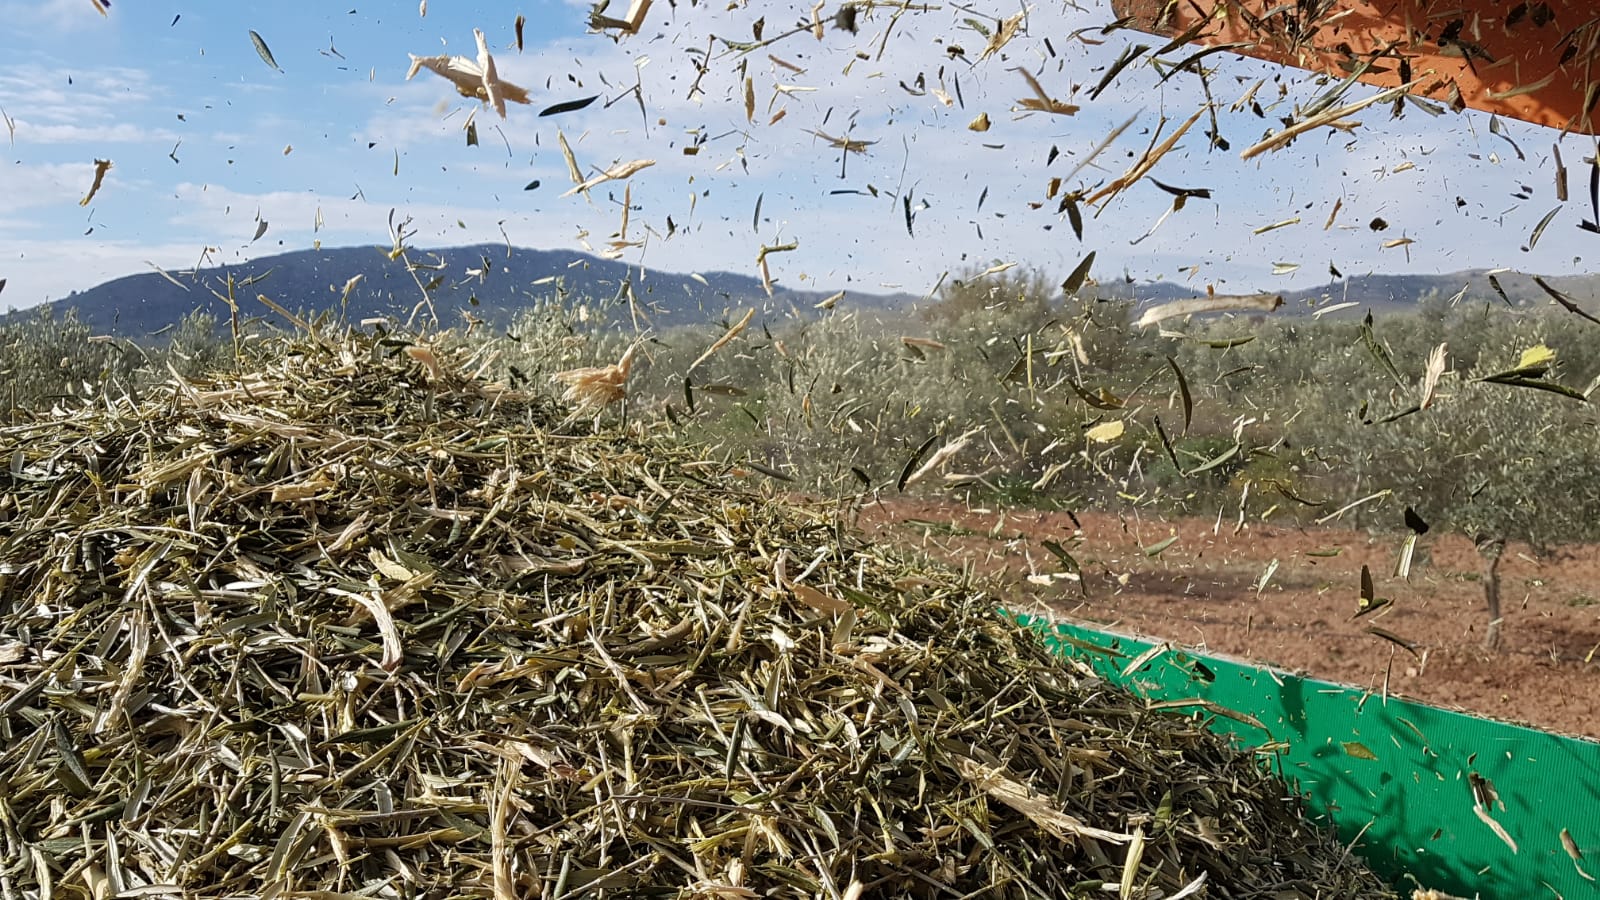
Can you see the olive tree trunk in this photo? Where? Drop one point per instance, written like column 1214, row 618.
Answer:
column 1490, row 549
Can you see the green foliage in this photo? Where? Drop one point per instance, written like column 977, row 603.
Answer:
column 49, row 359
column 1488, row 459
column 1010, row 301
column 46, row 359
column 1056, row 399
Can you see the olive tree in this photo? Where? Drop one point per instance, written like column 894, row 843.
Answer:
column 1502, row 452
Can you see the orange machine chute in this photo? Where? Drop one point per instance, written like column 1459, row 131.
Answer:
column 1538, row 62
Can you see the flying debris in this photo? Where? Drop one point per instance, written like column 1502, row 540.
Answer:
column 477, row 79
column 1210, row 304
column 567, row 106
column 1042, row 101
column 844, row 143
column 1145, row 163
column 628, row 24
column 1002, row 35
column 594, row 389
column 101, row 167
column 615, row 173
column 263, row 52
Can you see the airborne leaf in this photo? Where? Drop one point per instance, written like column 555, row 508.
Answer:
column 567, row 106
column 263, row 51
column 1079, row 274
column 1183, row 391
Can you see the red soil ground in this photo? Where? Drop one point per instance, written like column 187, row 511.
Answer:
column 1201, row 592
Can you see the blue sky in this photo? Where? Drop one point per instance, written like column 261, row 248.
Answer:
column 207, row 140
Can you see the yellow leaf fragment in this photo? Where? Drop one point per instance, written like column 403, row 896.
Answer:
column 1106, row 432
column 817, row 600
column 1537, row 355
column 101, row 167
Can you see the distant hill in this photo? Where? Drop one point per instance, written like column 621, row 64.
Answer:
column 492, row 283
column 485, row 280
column 1388, row 294
column 1400, row 293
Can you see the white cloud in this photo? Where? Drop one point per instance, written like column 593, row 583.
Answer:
column 57, row 15
column 32, row 185
column 119, row 133
column 40, row 270
column 51, row 92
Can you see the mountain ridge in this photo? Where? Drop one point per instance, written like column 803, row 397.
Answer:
column 493, row 282
column 489, row 282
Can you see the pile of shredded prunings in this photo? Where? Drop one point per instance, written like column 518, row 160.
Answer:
column 354, row 624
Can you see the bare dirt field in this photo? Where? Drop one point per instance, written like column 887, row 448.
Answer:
column 1201, row 591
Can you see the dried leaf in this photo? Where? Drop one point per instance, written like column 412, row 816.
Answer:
column 940, row 457
column 1538, row 230
column 913, row 461
column 1106, row 432
column 1211, row 304
column 1041, row 101
column 1358, row 750
column 1498, row 829
column 723, row 341
column 1037, row 807
column 477, row 79
column 1145, row 163
column 1003, row 35
column 101, row 167
column 1183, row 392
column 818, row 600
column 615, row 173
column 1430, row 375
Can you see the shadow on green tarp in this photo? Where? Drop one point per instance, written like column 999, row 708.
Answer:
column 1393, row 777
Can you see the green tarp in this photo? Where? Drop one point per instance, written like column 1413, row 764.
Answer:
column 1430, row 797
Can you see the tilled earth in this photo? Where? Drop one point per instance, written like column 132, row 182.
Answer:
column 1201, row 591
